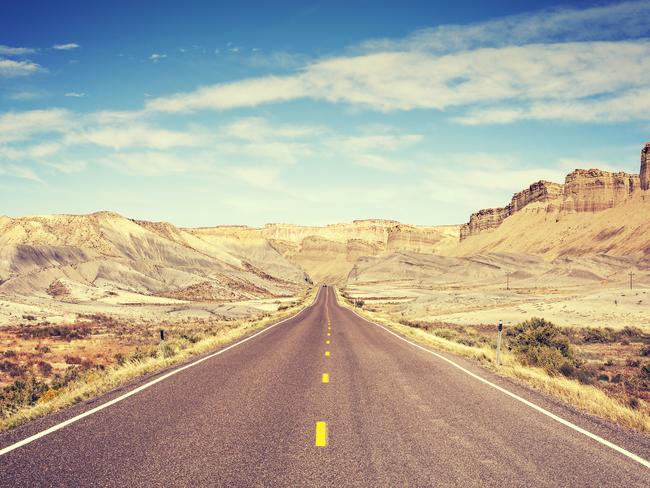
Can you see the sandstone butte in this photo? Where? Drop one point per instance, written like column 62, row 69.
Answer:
column 583, row 191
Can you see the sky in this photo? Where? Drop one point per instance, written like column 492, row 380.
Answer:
column 313, row 112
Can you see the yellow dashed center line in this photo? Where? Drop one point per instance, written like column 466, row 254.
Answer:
column 328, row 334
column 327, row 341
column 321, row 434
column 326, row 378
column 327, row 354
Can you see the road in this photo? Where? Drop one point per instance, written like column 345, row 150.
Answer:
column 390, row 414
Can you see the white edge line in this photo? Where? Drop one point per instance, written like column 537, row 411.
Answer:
column 98, row 408
column 595, row 437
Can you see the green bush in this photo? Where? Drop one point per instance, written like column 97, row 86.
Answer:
column 19, row 394
column 538, row 342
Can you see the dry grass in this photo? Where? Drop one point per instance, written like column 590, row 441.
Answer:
column 586, row 397
column 168, row 353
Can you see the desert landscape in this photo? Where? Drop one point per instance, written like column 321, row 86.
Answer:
column 325, row 244
column 80, row 293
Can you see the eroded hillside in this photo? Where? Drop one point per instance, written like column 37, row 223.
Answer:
column 104, row 255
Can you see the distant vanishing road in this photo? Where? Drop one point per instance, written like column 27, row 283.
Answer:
column 263, row 413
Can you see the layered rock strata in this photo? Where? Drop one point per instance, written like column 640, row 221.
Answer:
column 590, row 190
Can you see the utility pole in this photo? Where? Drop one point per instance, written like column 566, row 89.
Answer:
column 631, row 278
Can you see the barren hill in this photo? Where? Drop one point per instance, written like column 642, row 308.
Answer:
column 104, row 254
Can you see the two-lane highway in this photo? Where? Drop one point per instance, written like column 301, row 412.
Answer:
column 323, row 399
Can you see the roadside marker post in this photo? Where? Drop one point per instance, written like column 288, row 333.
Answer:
column 162, row 334
column 500, row 328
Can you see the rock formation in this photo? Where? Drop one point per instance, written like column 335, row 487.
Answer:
column 543, row 193
column 329, row 252
column 645, row 167
column 594, row 190
column 589, row 190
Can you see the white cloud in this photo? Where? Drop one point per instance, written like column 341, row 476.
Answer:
column 18, row 126
column 551, row 64
column 15, row 51
column 558, row 74
column 624, row 107
column 74, row 94
column 37, row 152
column 134, row 136
column 155, row 57
column 246, row 93
column 66, row 47
column 614, row 21
column 19, row 172
column 259, row 129
column 11, row 69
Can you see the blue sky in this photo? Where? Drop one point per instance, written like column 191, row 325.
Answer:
column 206, row 113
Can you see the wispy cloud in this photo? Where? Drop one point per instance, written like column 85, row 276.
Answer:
column 551, row 74
column 67, row 166
column 30, row 151
column 258, row 129
column 155, row 57
column 18, row 126
column 15, row 51
column 19, row 172
column 133, row 136
column 627, row 106
column 478, row 177
column 554, row 64
column 26, row 95
column 614, row 21
column 275, row 60
column 66, row 47
column 10, row 68
column 378, row 151
column 246, row 93
column 74, row 94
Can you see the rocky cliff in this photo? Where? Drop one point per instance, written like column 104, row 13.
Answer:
column 594, row 190
column 545, row 194
column 589, row 190
column 645, row 168
column 328, row 253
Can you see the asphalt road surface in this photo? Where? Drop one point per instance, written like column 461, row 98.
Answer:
column 263, row 414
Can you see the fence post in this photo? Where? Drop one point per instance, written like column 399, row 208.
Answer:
column 499, row 341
